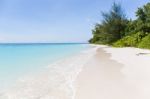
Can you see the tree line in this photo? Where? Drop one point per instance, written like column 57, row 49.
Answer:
column 117, row 30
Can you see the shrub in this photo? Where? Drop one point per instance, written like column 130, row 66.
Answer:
column 145, row 43
column 131, row 40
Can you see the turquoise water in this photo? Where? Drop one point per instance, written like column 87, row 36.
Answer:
column 17, row 60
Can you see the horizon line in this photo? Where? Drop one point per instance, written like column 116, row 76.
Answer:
column 44, row 43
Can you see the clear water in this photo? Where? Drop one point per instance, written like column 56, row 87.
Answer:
column 17, row 60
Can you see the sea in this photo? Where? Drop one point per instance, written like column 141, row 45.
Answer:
column 41, row 70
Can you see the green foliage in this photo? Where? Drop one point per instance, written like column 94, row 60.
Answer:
column 143, row 20
column 116, row 30
column 129, row 41
column 141, row 14
column 112, row 27
column 145, row 43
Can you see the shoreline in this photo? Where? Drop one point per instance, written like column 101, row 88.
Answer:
column 115, row 73
column 99, row 72
column 54, row 81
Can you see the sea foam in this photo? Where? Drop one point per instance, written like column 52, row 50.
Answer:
column 54, row 82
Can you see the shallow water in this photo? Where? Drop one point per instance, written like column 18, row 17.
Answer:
column 17, row 60
column 54, row 80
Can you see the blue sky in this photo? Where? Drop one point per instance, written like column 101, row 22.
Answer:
column 55, row 20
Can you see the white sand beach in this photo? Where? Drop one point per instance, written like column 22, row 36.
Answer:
column 115, row 73
column 101, row 72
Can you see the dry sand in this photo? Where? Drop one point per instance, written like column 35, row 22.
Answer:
column 115, row 74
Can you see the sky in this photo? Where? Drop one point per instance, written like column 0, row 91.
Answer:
column 55, row 21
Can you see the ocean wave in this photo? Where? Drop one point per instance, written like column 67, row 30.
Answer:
column 55, row 82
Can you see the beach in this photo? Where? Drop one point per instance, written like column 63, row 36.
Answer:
column 115, row 73
column 93, row 72
column 39, row 80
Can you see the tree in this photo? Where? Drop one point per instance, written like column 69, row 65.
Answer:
column 141, row 14
column 138, row 30
column 112, row 27
column 143, row 19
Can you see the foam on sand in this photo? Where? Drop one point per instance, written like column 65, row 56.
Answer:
column 55, row 82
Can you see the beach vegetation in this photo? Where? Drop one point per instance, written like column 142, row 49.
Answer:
column 116, row 30
column 112, row 27
column 129, row 41
column 145, row 43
